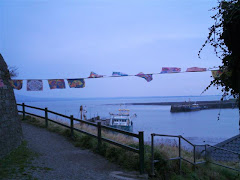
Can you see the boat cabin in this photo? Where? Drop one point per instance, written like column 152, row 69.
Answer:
column 120, row 121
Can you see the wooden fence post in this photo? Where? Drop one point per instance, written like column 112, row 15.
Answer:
column 23, row 111
column 71, row 123
column 205, row 147
column 99, row 136
column 46, row 117
column 194, row 157
column 152, row 152
column 141, row 152
column 180, row 155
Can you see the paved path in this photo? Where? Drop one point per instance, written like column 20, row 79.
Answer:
column 65, row 160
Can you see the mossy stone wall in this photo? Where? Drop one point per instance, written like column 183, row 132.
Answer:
column 10, row 124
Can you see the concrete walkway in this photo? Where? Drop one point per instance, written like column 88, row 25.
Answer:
column 65, row 160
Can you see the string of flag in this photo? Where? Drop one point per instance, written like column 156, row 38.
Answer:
column 37, row 84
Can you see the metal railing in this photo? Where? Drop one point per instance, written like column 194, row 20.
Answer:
column 180, row 157
column 139, row 136
column 226, row 150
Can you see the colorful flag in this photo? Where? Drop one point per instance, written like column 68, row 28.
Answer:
column 1, row 83
column 76, row 83
column 95, row 75
column 119, row 74
column 16, row 84
column 170, row 70
column 56, row 83
column 196, row 69
column 217, row 73
column 34, row 85
column 147, row 77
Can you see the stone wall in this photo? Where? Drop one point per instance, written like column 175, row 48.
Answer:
column 10, row 125
column 232, row 144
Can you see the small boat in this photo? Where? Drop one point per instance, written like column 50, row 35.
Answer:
column 194, row 107
column 122, row 120
column 185, row 107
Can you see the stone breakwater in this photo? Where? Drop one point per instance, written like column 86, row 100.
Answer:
column 180, row 106
column 213, row 103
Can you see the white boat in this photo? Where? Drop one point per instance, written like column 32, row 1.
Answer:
column 194, row 107
column 186, row 107
column 122, row 120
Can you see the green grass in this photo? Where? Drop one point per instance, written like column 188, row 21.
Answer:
column 164, row 169
column 18, row 164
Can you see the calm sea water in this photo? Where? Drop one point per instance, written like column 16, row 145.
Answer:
column 199, row 127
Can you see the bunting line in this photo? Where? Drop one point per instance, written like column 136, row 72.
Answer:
column 103, row 76
column 37, row 84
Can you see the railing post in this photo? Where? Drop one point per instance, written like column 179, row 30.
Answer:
column 71, row 123
column 180, row 155
column 141, row 151
column 99, row 127
column 194, row 156
column 152, row 151
column 46, row 117
column 205, row 152
column 23, row 111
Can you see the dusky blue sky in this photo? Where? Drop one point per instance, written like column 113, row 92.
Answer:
column 70, row 38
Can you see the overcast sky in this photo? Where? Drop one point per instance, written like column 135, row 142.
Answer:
column 69, row 39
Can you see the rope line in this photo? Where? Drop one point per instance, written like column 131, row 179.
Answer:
column 209, row 69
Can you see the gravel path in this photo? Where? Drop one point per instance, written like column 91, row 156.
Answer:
column 65, row 160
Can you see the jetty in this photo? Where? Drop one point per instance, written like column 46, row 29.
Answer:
column 177, row 106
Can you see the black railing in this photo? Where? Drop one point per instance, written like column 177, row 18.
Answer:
column 139, row 136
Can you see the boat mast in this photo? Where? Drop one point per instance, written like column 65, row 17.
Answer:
column 81, row 110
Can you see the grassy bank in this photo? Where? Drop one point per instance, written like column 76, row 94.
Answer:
column 18, row 164
column 164, row 169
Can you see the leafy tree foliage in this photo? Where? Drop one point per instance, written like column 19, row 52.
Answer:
column 224, row 36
